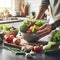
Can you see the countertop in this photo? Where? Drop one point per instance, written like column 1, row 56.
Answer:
column 8, row 55
column 15, row 19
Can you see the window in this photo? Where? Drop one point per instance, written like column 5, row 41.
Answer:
column 5, row 4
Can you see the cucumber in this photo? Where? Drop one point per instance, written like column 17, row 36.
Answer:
column 20, row 53
column 52, row 43
column 52, row 51
column 46, row 47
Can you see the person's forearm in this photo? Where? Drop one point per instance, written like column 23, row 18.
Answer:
column 55, row 24
column 40, row 12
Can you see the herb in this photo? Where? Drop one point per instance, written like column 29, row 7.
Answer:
column 56, row 36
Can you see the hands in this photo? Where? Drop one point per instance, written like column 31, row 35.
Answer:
column 45, row 30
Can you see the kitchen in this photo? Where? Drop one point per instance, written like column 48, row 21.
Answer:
column 13, row 14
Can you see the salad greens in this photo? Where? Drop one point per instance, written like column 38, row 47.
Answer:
column 37, row 22
column 23, row 28
column 30, row 26
column 56, row 36
column 4, row 27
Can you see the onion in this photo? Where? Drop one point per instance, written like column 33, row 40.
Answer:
column 16, row 41
column 28, row 55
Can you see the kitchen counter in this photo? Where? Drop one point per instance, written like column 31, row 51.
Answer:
column 15, row 19
column 8, row 55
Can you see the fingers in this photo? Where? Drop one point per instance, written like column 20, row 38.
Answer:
column 41, row 31
column 42, row 34
column 45, row 30
column 42, row 27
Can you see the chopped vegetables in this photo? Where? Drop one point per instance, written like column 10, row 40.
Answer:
column 31, row 26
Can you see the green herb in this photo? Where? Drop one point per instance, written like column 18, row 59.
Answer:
column 56, row 36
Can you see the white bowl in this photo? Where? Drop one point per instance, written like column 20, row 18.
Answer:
column 29, row 37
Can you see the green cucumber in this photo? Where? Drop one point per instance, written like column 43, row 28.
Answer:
column 20, row 53
column 46, row 47
column 52, row 51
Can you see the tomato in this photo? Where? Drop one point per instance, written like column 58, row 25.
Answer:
column 30, row 24
column 11, row 37
column 37, row 48
column 34, row 26
column 59, row 47
column 30, row 28
column 8, row 38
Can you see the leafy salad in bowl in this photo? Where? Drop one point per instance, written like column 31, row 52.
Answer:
column 29, row 28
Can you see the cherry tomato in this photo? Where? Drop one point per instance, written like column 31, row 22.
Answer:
column 37, row 48
column 30, row 24
column 30, row 28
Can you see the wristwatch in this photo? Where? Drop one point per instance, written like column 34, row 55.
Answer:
column 53, row 26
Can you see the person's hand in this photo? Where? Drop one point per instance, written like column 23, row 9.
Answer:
column 44, row 30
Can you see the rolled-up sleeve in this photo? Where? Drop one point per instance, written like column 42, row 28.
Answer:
column 45, row 3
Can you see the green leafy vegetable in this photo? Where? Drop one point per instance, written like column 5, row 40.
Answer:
column 39, row 22
column 23, row 28
column 56, row 36
column 34, row 30
column 1, row 27
column 4, row 27
column 26, row 25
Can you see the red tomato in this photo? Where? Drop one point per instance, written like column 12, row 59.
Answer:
column 59, row 47
column 11, row 37
column 8, row 38
column 37, row 48
column 30, row 28
column 30, row 24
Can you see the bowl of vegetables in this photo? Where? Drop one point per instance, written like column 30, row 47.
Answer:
column 29, row 28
